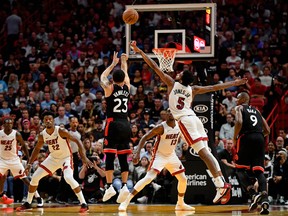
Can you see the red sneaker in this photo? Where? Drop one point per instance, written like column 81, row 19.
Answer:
column 5, row 200
column 223, row 193
column 84, row 208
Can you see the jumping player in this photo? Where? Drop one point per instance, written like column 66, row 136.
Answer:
column 117, row 128
column 60, row 157
column 181, row 95
column 168, row 134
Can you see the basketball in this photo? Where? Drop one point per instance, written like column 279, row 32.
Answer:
column 130, row 16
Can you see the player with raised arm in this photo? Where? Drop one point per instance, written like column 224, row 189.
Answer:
column 117, row 128
column 9, row 159
column 60, row 157
column 249, row 132
column 168, row 134
column 181, row 95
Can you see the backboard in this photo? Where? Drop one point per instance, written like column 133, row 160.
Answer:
column 188, row 27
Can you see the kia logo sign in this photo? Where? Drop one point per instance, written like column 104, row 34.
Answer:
column 203, row 119
column 201, row 108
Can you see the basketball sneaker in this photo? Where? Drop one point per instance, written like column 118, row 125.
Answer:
column 122, row 194
column 40, row 202
column 264, row 208
column 183, row 207
column 110, row 192
column 221, row 192
column 25, row 206
column 256, row 198
column 123, row 206
column 5, row 200
column 84, row 208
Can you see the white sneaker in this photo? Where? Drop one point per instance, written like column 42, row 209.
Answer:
column 123, row 206
column 184, row 207
column 156, row 186
column 143, row 200
column 40, row 202
column 223, row 192
column 124, row 192
column 110, row 192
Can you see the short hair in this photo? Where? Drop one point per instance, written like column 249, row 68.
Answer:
column 118, row 76
column 46, row 113
column 187, row 77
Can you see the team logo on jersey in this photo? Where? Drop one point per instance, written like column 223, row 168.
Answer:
column 52, row 141
column 7, row 142
column 203, row 119
column 200, row 108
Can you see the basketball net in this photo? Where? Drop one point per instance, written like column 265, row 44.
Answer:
column 166, row 57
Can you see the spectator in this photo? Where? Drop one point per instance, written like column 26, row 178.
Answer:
column 227, row 129
column 230, row 100
column 61, row 118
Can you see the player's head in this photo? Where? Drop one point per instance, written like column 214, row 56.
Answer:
column 185, row 77
column 118, row 77
column 8, row 123
column 243, row 98
column 48, row 119
column 169, row 115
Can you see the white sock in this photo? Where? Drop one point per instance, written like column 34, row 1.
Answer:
column 30, row 197
column 81, row 197
column 36, row 194
column 218, row 182
column 129, row 198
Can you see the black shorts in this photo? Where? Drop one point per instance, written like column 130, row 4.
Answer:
column 251, row 151
column 117, row 136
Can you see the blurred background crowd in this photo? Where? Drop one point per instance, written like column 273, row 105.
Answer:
column 52, row 56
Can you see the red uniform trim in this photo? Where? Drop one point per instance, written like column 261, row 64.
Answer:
column 259, row 168
column 242, row 166
column 110, row 151
column 125, row 151
column 187, row 135
column 179, row 171
column 20, row 176
column 46, row 169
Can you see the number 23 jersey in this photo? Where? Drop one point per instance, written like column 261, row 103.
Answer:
column 117, row 102
column 180, row 99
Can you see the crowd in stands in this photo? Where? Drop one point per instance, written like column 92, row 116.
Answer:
column 57, row 65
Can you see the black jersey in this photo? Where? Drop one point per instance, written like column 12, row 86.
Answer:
column 252, row 120
column 117, row 102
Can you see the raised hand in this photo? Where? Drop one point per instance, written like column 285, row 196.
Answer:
column 133, row 45
column 115, row 59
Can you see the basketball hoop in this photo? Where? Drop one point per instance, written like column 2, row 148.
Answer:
column 166, row 57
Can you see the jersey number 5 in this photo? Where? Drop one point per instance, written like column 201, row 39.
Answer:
column 117, row 109
column 180, row 103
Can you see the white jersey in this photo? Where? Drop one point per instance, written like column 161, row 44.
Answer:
column 74, row 146
column 180, row 99
column 8, row 149
column 59, row 148
column 166, row 143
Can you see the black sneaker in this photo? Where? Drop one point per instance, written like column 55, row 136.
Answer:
column 25, row 206
column 84, row 208
column 256, row 198
column 264, row 208
column 40, row 202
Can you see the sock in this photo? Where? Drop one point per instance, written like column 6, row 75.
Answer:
column 36, row 194
column 129, row 197
column 108, row 185
column 1, row 194
column 81, row 197
column 30, row 197
column 218, row 182
column 180, row 199
column 123, row 184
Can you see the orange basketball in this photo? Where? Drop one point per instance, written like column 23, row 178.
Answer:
column 130, row 16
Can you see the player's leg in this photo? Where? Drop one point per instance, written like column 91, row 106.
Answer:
column 40, row 202
column 3, row 198
column 68, row 176
column 124, row 176
column 109, row 169
column 194, row 134
column 151, row 174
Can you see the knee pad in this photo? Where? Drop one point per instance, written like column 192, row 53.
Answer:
column 68, row 176
column 123, row 162
column 110, row 157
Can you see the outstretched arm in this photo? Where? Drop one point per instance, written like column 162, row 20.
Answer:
column 158, row 130
column 212, row 88
column 104, row 82
column 163, row 76
column 124, row 68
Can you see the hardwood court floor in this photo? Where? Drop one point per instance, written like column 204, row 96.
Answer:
column 141, row 210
